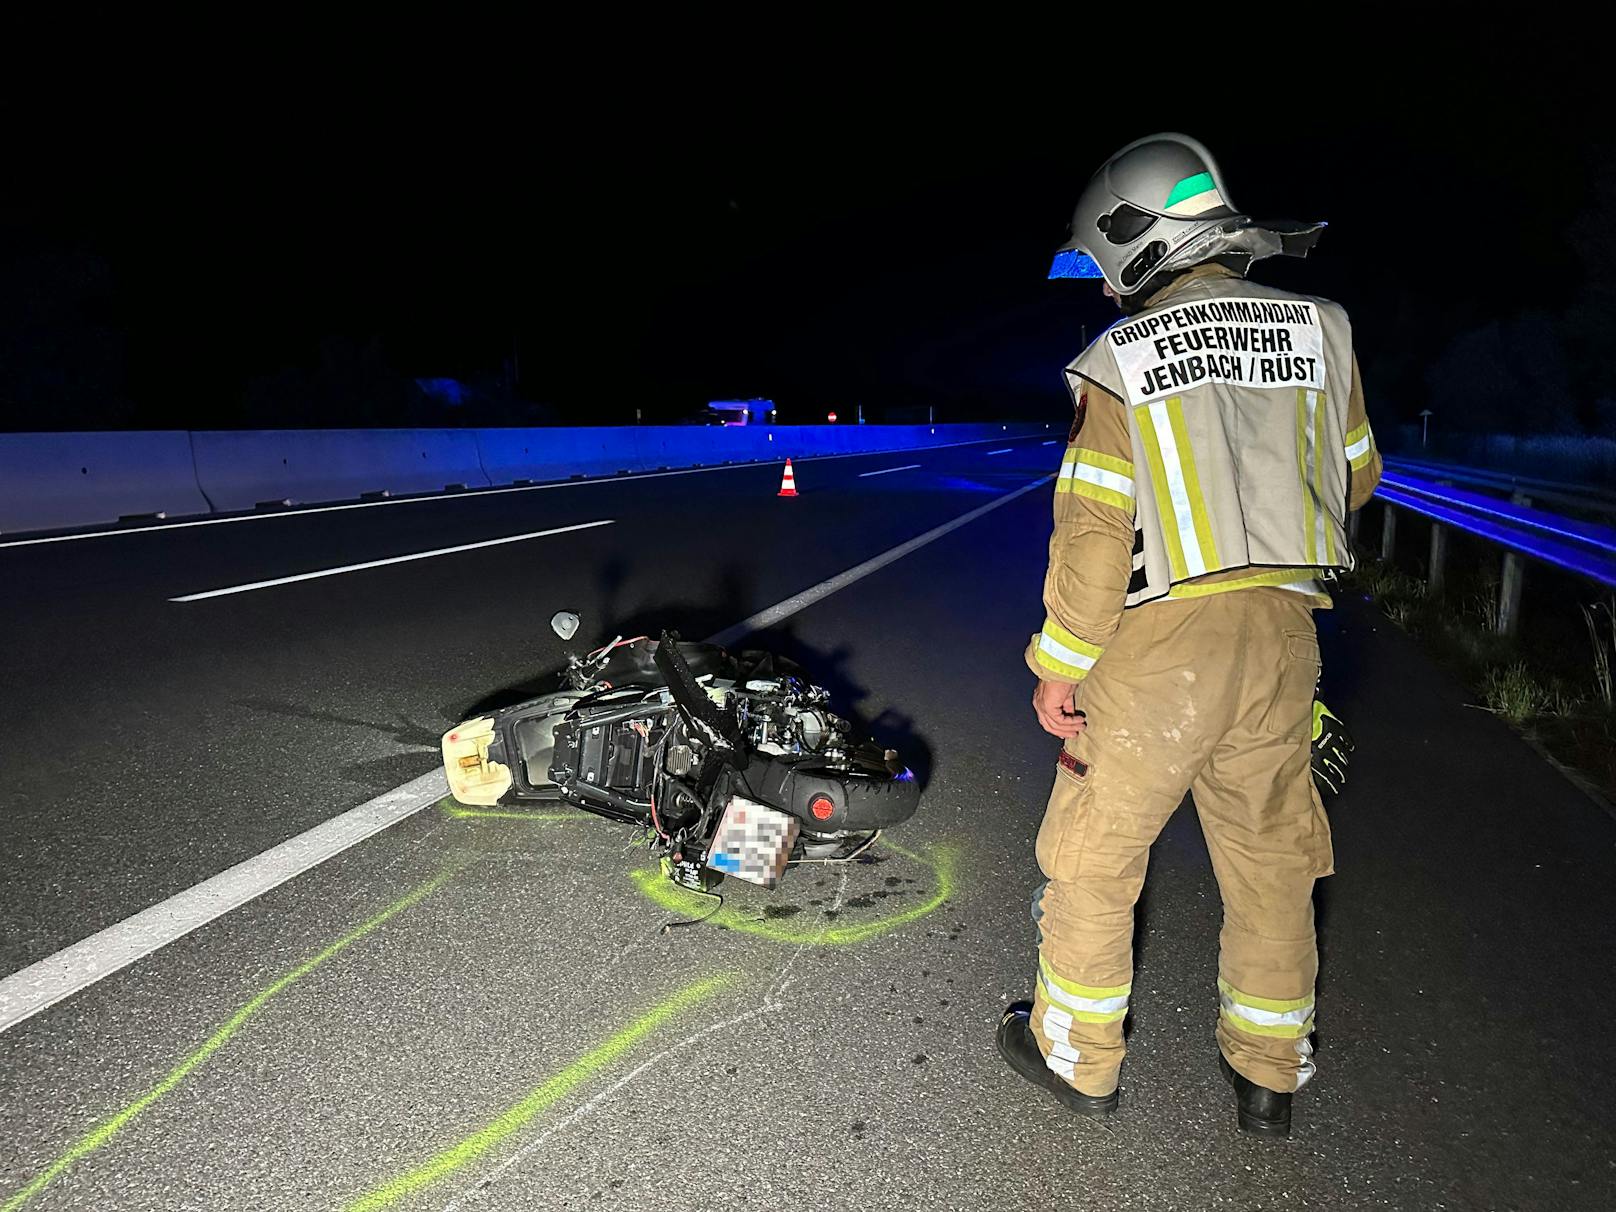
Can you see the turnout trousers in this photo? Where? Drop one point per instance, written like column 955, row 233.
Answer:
column 1210, row 695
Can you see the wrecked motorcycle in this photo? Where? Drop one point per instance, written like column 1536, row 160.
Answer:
column 732, row 762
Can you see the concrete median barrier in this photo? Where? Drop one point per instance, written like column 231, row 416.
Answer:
column 242, row 469
column 539, row 456
column 52, row 481
column 57, row 481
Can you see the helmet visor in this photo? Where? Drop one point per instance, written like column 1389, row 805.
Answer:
column 1074, row 263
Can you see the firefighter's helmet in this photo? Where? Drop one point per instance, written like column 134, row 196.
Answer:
column 1158, row 207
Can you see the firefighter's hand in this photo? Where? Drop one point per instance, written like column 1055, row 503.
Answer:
column 1057, row 713
column 1332, row 745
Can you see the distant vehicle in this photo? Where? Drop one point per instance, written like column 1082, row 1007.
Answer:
column 742, row 412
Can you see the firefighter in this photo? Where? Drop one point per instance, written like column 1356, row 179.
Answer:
column 1220, row 441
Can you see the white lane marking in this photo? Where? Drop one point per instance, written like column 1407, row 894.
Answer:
column 784, row 610
column 48, row 981
column 403, row 559
column 1006, row 450
column 1051, row 442
column 460, row 496
column 43, row 984
column 886, row 471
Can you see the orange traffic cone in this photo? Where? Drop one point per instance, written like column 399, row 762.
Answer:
column 788, row 482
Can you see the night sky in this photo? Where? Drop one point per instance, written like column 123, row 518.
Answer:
column 645, row 231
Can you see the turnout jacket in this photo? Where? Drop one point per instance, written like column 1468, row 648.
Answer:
column 1220, row 441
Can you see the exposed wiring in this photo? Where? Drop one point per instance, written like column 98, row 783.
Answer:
column 618, row 642
column 696, row 921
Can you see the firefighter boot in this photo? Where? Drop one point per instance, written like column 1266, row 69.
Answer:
column 1020, row 1051
column 1262, row 1112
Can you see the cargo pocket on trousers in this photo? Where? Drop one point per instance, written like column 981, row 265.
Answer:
column 1321, row 848
column 1066, row 819
column 1292, row 709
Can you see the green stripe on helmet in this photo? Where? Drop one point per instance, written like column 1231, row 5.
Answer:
column 1200, row 183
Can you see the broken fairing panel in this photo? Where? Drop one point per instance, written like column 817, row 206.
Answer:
column 474, row 778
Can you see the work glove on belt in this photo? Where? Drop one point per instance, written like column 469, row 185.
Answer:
column 1332, row 744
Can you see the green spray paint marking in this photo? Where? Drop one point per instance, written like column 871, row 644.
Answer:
column 461, row 813
column 540, row 1098
column 674, row 899
column 110, row 1127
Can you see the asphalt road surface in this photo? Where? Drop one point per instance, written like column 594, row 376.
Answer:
column 484, row 1011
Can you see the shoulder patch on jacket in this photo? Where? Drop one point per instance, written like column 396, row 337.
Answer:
column 1080, row 411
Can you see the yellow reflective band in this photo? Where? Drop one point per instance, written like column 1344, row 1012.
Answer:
column 1071, row 642
column 1071, row 1008
column 1094, row 1016
column 1272, row 1005
column 1301, row 467
column 1100, row 477
column 1094, row 458
column 1092, row 992
column 1360, row 447
column 1055, row 655
column 1192, row 483
column 1063, row 481
column 1318, row 480
column 1164, row 498
column 1285, row 578
column 1105, row 496
column 1275, row 1031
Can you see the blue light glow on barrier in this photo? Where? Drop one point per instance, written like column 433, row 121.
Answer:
column 1602, row 538
column 1595, row 567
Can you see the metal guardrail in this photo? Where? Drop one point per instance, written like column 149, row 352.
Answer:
column 1500, row 509
column 1578, row 497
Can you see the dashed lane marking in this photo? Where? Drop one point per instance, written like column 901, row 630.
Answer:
column 886, row 471
column 780, row 611
column 401, row 559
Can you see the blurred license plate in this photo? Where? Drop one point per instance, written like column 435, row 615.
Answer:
column 753, row 842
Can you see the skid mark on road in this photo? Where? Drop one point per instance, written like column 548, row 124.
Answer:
column 110, row 1127
column 942, row 860
column 540, row 1098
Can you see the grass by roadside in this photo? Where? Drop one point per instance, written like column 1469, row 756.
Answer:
column 1554, row 681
